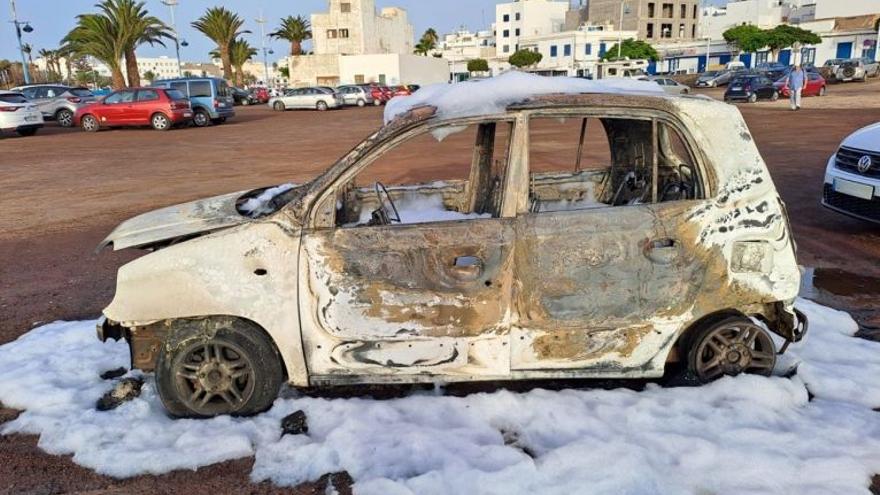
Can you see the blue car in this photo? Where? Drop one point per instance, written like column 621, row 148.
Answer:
column 211, row 98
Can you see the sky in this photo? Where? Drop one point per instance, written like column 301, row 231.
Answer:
column 52, row 19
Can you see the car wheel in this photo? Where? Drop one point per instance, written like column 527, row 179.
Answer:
column 321, row 106
column 234, row 369
column 753, row 97
column 27, row 132
column 160, row 122
column 377, row 102
column 361, row 103
column 89, row 123
column 731, row 347
column 201, row 118
column 823, row 91
column 64, row 117
column 245, row 102
column 774, row 96
column 278, row 106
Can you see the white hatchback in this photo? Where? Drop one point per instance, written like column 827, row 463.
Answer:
column 19, row 115
column 852, row 176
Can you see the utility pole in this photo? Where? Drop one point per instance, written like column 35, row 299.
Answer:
column 19, row 27
column 623, row 10
column 171, row 4
column 262, row 22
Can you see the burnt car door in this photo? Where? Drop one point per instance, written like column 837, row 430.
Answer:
column 591, row 249
column 426, row 295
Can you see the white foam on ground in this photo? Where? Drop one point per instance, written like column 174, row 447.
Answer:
column 738, row 435
column 494, row 95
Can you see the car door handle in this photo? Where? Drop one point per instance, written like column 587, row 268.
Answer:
column 467, row 267
column 662, row 251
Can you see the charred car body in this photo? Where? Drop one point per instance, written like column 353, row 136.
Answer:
column 678, row 250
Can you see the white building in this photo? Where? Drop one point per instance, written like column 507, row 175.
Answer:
column 461, row 46
column 391, row 69
column 526, row 18
column 160, row 67
column 573, row 53
column 826, row 9
column 761, row 13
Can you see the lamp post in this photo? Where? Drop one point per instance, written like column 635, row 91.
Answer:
column 262, row 22
column 19, row 27
column 623, row 10
column 171, row 4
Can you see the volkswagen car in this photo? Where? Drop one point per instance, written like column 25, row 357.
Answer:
column 852, row 176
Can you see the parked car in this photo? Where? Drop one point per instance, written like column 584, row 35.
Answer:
column 852, row 176
column 19, row 115
column 671, row 86
column 159, row 108
column 847, row 69
column 56, row 101
column 380, row 94
column 307, row 98
column 714, row 78
column 816, row 85
column 528, row 274
column 356, row 95
column 261, row 95
column 751, row 88
column 872, row 67
column 211, row 98
column 243, row 97
column 400, row 91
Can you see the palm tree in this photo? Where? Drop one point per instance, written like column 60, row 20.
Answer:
column 51, row 59
column 96, row 36
column 295, row 30
column 134, row 27
column 221, row 26
column 431, row 36
column 427, row 43
column 27, row 48
column 240, row 51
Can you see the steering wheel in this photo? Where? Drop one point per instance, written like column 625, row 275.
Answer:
column 382, row 213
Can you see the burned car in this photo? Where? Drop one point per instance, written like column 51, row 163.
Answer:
column 524, row 254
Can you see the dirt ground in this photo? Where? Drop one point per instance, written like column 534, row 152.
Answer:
column 64, row 190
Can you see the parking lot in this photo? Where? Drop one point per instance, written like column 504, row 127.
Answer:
column 64, row 190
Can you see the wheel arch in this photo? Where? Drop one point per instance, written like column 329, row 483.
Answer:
column 678, row 352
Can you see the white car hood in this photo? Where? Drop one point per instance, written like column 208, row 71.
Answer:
column 866, row 139
column 204, row 215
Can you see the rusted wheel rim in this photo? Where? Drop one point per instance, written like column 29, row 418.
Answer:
column 733, row 349
column 214, row 377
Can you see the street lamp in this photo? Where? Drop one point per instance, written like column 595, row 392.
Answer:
column 262, row 22
column 177, row 42
column 624, row 9
column 19, row 27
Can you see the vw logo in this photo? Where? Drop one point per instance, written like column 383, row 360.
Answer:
column 865, row 163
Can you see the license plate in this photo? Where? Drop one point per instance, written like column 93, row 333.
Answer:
column 187, row 114
column 854, row 189
column 736, row 88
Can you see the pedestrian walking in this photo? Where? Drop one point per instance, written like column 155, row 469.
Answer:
column 797, row 79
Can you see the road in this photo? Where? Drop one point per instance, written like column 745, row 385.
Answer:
column 64, row 190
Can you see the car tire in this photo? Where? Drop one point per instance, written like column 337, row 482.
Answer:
column 245, row 102
column 823, row 91
column 201, row 118
column 209, row 368
column 361, row 102
column 89, row 123
column 278, row 106
column 321, row 106
column 377, row 102
column 731, row 346
column 774, row 96
column 64, row 117
column 753, row 97
column 27, row 132
column 160, row 122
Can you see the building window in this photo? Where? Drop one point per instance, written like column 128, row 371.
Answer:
column 506, row 49
column 681, row 30
column 554, row 51
column 694, row 31
column 345, row 7
column 506, row 18
column 684, row 11
column 343, row 33
column 650, row 30
column 695, row 11
column 651, row 9
column 602, row 49
column 589, row 49
column 666, row 30
column 517, row 16
column 516, row 31
column 762, row 57
column 566, row 50
column 808, row 55
column 506, row 33
column 668, row 10
column 331, row 34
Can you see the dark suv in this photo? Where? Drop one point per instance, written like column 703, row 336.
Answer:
column 751, row 88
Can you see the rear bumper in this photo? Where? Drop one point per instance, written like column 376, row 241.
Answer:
column 178, row 116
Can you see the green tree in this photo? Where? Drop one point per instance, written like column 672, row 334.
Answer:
column 427, row 42
column 745, row 38
column 221, row 26
column 96, row 36
column 633, row 50
column 240, row 51
column 150, row 76
column 784, row 36
column 295, row 30
column 135, row 26
column 478, row 65
column 284, row 71
column 524, row 58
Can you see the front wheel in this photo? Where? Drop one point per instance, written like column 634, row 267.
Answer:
column 321, row 106
column 89, row 123
column 208, row 369
column 160, row 122
column 361, row 103
column 201, row 118
column 377, row 102
column 774, row 96
column 753, row 97
column 823, row 91
column 730, row 347
column 64, row 117
column 278, row 106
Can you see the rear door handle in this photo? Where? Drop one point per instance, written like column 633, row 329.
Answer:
column 662, row 251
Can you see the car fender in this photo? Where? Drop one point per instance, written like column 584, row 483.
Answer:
column 248, row 272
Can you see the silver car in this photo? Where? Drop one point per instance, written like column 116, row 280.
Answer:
column 671, row 86
column 356, row 95
column 714, row 78
column 311, row 98
column 57, row 101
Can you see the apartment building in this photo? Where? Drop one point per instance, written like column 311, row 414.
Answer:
column 653, row 20
column 526, row 18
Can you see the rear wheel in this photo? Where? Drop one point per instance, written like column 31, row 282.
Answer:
column 774, row 96
column 361, row 103
column 89, row 123
column 160, row 122
column 278, row 106
column 201, row 118
column 753, row 97
column 377, row 102
column 730, row 347
column 64, row 117
column 203, row 372
column 321, row 106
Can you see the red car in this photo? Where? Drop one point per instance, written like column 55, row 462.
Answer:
column 402, row 91
column 380, row 94
column 261, row 94
column 159, row 108
column 815, row 86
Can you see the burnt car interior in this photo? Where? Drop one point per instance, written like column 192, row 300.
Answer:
column 606, row 162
